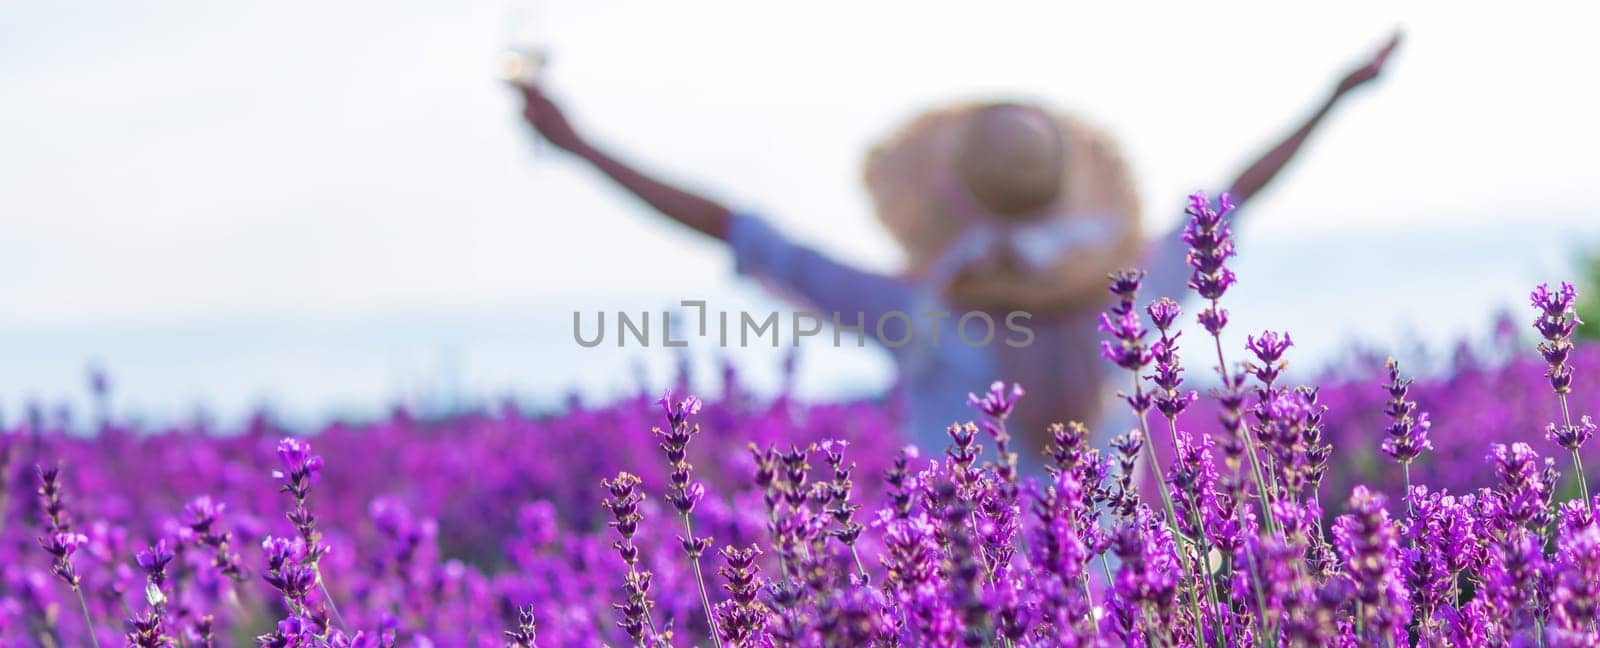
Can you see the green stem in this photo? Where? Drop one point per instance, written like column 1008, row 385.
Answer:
column 1249, row 442
column 1583, row 481
column 1166, row 501
column 1155, row 465
column 323, row 585
column 1200, row 529
column 88, row 622
column 862, row 571
column 1261, row 604
column 700, row 580
column 1406, row 467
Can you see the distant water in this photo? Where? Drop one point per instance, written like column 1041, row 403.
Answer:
column 1398, row 291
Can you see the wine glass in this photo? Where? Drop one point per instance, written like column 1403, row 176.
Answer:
column 522, row 64
column 526, row 53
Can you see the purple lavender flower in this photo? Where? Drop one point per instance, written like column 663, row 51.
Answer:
column 1150, row 573
column 1268, row 350
column 1163, row 312
column 202, row 517
column 300, row 471
column 623, row 503
column 1523, row 491
column 684, row 494
column 1169, row 399
column 1213, row 320
column 1128, row 349
column 743, row 619
column 1571, row 437
column 1407, row 434
column 853, row 616
column 1121, row 321
column 678, row 412
column 998, row 401
column 1556, row 319
column 1193, row 478
column 1555, row 323
column 1577, row 588
column 286, row 569
column 526, row 634
column 1210, row 245
column 839, row 506
column 1511, row 582
column 148, row 630
column 61, row 547
column 154, row 561
column 51, row 500
column 1370, row 546
column 145, row 631
column 1125, row 285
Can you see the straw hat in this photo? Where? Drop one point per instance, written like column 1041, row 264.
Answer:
column 945, row 173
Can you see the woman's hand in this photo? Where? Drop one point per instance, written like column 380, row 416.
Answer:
column 547, row 119
column 1369, row 70
column 699, row 213
column 1263, row 170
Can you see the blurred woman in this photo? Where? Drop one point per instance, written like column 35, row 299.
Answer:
column 1001, row 208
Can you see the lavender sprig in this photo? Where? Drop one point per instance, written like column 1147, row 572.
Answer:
column 526, row 634
column 1407, row 434
column 623, row 502
column 744, row 616
column 1210, row 242
column 301, row 470
column 1555, row 322
column 1130, row 352
column 61, row 542
column 148, row 630
column 684, row 493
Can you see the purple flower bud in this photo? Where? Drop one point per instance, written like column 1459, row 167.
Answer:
column 1554, row 305
column 996, row 403
column 1214, row 320
column 63, row 545
column 679, row 411
column 154, row 561
column 1370, row 546
column 282, row 550
column 1407, row 433
column 293, row 452
column 1125, row 284
column 299, row 464
column 1270, row 347
column 202, row 511
column 1571, row 437
column 1555, row 323
column 1163, row 312
column 1210, row 245
column 1128, row 349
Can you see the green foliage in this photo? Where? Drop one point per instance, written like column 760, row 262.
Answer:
column 1588, row 296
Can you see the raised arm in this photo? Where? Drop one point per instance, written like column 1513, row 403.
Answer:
column 1263, row 170
column 1166, row 258
column 759, row 250
column 697, row 212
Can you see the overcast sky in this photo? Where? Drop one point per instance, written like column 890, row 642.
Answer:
column 208, row 175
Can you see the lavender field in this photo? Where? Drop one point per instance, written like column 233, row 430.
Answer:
column 1361, row 509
